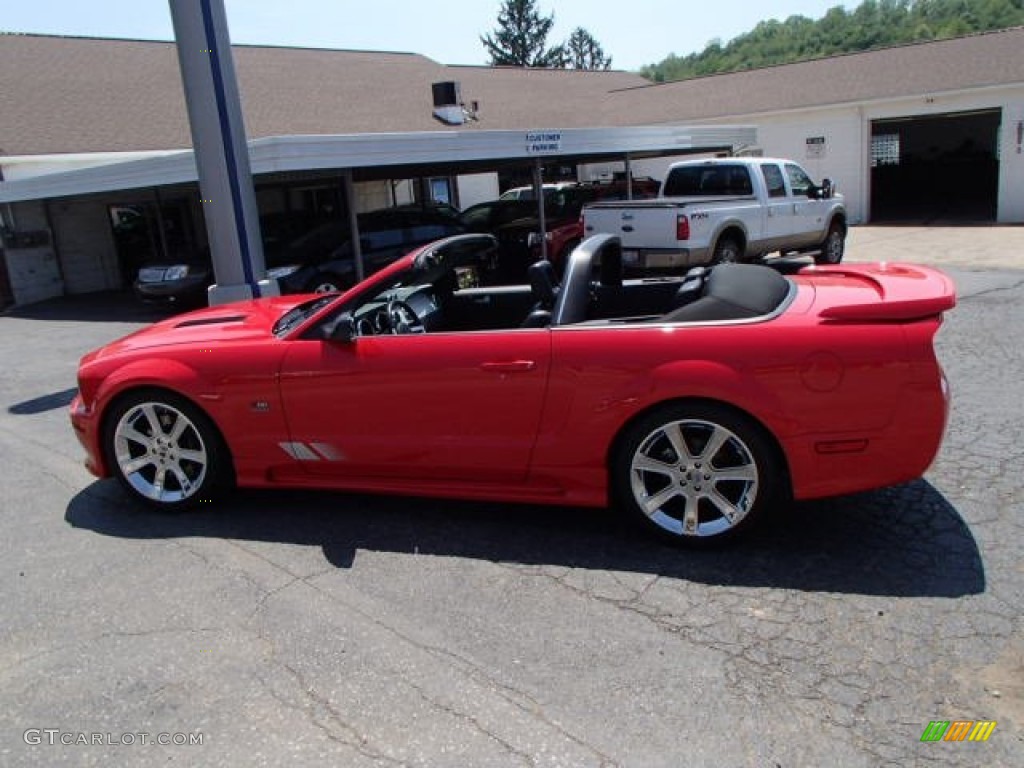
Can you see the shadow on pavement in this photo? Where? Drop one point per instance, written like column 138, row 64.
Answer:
column 109, row 306
column 44, row 403
column 903, row 541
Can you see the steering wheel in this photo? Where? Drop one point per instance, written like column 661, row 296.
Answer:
column 403, row 318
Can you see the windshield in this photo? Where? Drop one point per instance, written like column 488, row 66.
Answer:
column 294, row 317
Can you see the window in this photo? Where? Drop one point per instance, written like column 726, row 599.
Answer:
column 694, row 180
column 799, row 181
column 773, row 180
column 441, row 190
column 885, row 149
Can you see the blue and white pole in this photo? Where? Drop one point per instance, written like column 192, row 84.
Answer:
column 221, row 152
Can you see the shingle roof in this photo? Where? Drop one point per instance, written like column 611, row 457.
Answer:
column 67, row 94
column 975, row 61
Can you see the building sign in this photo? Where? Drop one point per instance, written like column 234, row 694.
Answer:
column 815, row 147
column 540, row 142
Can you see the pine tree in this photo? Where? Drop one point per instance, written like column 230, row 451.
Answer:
column 582, row 51
column 520, row 40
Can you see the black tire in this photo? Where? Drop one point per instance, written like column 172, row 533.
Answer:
column 727, row 251
column 833, row 246
column 707, row 496
column 325, row 282
column 165, row 451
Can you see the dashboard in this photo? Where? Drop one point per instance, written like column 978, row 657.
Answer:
column 374, row 318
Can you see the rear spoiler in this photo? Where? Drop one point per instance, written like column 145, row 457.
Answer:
column 902, row 292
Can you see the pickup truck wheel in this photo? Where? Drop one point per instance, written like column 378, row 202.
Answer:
column 694, row 473
column 833, row 246
column 727, row 251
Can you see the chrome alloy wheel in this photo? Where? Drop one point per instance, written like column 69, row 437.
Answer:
column 160, row 452
column 694, row 478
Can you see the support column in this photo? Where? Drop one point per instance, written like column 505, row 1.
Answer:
column 538, row 190
column 353, row 224
column 221, row 152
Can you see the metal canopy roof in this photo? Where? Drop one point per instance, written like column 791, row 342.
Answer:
column 397, row 155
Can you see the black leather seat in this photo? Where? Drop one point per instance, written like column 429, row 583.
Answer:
column 734, row 292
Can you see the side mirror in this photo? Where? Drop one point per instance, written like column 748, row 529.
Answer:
column 342, row 328
column 827, row 189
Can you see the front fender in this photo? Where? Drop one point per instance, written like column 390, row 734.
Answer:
column 163, row 373
column 99, row 389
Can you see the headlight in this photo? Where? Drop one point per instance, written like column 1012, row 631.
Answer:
column 533, row 239
column 278, row 272
column 177, row 272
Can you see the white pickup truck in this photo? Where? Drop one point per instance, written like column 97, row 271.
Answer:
column 725, row 209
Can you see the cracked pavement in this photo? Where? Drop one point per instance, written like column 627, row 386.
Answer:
column 314, row 628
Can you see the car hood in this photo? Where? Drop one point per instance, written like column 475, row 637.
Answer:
column 240, row 321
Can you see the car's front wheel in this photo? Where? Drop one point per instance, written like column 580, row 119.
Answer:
column 694, row 472
column 165, row 450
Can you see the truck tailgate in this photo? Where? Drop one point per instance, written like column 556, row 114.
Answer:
column 638, row 223
column 648, row 224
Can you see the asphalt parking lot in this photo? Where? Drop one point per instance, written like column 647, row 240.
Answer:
column 311, row 629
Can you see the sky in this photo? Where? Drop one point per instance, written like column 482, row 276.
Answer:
column 633, row 33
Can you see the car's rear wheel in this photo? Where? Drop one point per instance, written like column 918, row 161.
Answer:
column 165, row 450
column 695, row 472
column 325, row 282
column 834, row 245
column 727, row 251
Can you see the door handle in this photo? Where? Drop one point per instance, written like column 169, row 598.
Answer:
column 627, row 228
column 508, row 366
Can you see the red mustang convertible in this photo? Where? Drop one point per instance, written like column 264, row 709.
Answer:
column 691, row 402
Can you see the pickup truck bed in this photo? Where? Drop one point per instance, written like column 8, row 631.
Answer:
column 750, row 207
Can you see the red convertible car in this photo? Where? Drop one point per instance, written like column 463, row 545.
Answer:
column 692, row 403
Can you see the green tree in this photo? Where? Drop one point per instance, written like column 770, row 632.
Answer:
column 520, row 39
column 873, row 24
column 582, row 51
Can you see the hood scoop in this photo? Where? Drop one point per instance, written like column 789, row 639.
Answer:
column 211, row 321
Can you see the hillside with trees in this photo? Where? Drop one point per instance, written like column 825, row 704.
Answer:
column 873, row 24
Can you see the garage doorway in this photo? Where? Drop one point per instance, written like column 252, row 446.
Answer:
column 147, row 233
column 936, row 168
